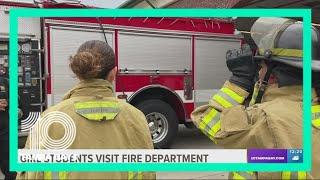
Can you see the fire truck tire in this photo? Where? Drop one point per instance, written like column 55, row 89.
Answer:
column 162, row 120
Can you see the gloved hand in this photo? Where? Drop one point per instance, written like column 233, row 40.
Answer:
column 240, row 62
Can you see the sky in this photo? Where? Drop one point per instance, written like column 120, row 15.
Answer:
column 97, row 3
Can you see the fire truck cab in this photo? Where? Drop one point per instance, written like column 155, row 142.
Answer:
column 166, row 66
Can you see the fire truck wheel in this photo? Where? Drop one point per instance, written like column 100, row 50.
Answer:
column 162, row 120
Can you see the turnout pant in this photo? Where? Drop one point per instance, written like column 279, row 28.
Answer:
column 4, row 157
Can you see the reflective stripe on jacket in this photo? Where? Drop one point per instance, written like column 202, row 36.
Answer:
column 55, row 175
column 210, row 122
column 294, row 175
column 135, row 175
column 316, row 116
column 242, row 175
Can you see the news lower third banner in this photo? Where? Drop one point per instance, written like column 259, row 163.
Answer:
column 161, row 156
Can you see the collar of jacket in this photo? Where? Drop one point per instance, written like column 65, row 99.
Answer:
column 293, row 93
column 91, row 87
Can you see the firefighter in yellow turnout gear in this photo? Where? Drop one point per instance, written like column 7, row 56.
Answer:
column 273, row 120
column 102, row 121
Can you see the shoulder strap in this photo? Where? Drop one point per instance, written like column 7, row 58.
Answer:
column 264, row 83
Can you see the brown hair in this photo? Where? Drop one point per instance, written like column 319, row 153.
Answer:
column 94, row 60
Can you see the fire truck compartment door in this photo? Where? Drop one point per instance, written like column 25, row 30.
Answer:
column 64, row 43
column 146, row 51
column 210, row 66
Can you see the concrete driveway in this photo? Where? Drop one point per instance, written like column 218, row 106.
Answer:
column 192, row 139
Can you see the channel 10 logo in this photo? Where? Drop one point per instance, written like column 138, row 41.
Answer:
column 41, row 134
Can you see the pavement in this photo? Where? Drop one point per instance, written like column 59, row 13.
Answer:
column 192, row 139
column 189, row 139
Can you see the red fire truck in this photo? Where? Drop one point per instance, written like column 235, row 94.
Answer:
column 166, row 66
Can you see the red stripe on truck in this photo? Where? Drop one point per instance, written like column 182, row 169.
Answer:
column 180, row 24
column 131, row 83
column 189, row 107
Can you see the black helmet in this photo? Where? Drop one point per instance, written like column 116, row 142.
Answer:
column 281, row 40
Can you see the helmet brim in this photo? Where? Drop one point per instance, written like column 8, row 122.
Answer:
column 292, row 61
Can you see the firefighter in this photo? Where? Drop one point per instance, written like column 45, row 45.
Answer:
column 274, row 119
column 4, row 128
column 4, row 140
column 102, row 121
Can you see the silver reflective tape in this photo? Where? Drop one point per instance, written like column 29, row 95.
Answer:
column 212, row 122
column 315, row 116
column 54, row 175
column 97, row 110
column 227, row 98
